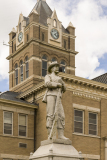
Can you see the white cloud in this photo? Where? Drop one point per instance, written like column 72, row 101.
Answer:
column 103, row 2
column 91, row 31
column 86, row 15
column 96, row 73
column 4, row 65
column 92, row 37
column 9, row 15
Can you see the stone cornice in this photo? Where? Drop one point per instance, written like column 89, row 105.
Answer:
column 6, row 101
column 68, row 35
column 43, row 43
column 32, row 90
column 16, row 52
column 26, row 80
column 91, row 89
column 83, row 81
column 36, row 24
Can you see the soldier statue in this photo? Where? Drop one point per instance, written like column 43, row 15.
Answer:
column 55, row 113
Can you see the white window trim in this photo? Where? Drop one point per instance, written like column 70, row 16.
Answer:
column 26, row 124
column 96, row 124
column 83, row 120
column 12, row 123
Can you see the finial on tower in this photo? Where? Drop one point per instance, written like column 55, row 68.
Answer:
column 54, row 14
column 13, row 30
column 70, row 25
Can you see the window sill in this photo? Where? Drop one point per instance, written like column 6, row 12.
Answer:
column 19, row 137
column 85, row 135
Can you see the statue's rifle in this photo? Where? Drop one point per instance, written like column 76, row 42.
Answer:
column 54, row 126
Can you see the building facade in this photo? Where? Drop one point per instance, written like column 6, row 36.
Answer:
column 38, row 40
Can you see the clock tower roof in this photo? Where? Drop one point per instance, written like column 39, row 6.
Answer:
column 44, row 12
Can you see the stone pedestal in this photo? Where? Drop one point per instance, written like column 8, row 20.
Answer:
column 56, row 150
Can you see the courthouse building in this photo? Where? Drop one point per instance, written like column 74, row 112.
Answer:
column 38, row 40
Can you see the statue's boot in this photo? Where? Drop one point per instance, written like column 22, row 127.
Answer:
column 61, row 134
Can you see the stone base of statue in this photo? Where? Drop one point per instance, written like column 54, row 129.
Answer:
column 57, row 149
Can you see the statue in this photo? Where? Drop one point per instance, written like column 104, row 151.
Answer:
column 55, row 114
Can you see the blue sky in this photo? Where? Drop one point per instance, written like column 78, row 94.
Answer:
column 88, row 16
column 4, row 85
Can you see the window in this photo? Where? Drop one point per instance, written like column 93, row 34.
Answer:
column 22, row 125
column 54, row 59
column 65, row 44
column 22, row 145
column 7, row 122
column 19, row 27
column 21, row 70
column 62, row 64
column 78, row 121
column 43, row 36
column 44, row 65
column 16, row 74
column 27, row 67
column 13, row 36
column 93, row 123
column 55, row 23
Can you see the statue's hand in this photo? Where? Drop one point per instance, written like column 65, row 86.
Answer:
column 59, row 85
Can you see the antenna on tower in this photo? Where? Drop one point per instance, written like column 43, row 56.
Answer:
column 6, row 44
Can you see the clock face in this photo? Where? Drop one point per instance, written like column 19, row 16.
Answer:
column 54, row 33
column 20, row 36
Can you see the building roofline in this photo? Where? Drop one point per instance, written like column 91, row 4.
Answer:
column 67, row 77
column 99, row 76
column 27, row 105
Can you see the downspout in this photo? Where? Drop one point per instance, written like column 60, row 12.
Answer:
column 69, row 53
column 35, row 113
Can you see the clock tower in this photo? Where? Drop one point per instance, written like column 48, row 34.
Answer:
column 38, row 40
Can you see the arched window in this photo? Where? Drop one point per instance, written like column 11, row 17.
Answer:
column 19, row 27
column 27, row 67
column 44, row 65
column 21, row 70
column 62, row 64
column 54, row 59
column 55, row 23
column 16, row 74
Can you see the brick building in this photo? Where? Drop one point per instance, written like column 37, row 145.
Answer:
column 38, row 40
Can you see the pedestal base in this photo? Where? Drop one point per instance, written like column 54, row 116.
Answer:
column 56, row 150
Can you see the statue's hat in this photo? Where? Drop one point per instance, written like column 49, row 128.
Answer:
column 52, row 65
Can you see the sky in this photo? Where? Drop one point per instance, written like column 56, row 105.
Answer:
column 89, row 17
